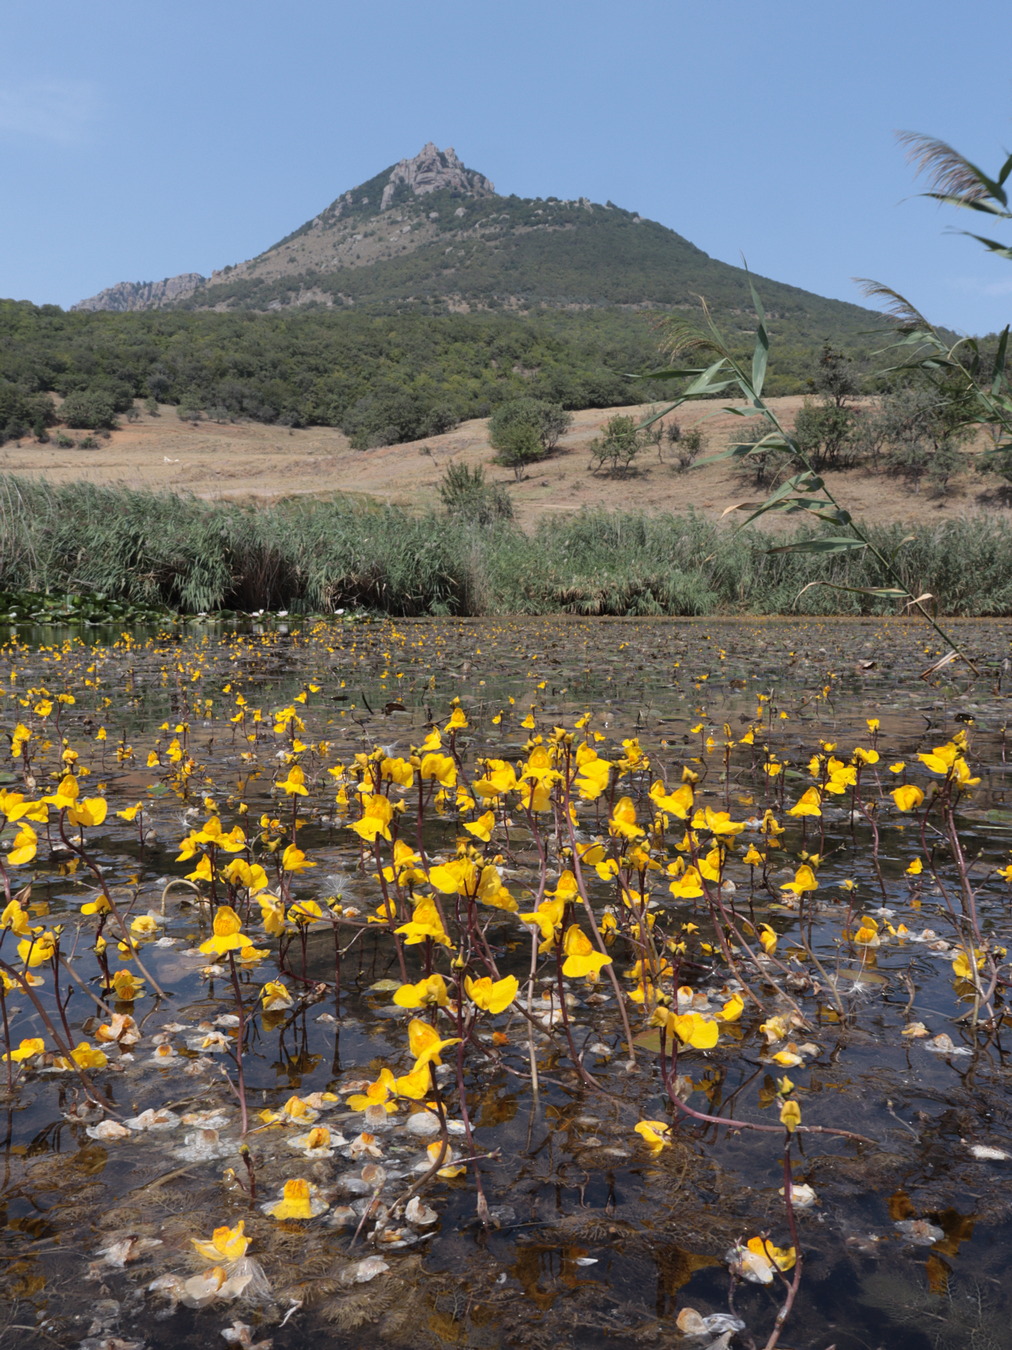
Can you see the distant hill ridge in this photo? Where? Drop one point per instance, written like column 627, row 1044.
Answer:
column 429, row 234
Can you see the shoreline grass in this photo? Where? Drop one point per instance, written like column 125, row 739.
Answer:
column 150, row 549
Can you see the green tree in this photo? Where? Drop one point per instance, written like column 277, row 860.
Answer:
column 548, row 420
column 89, row 409
column 518, row 445
column 825, row 426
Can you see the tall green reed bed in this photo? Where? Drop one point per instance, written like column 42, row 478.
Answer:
column 148, row 548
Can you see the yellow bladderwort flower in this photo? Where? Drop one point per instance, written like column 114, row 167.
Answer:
column 377, row 813
column 492, row 996
column 35, row 951
column 808, row 804
column 274, row 995
column 790, row 1116
column 623, row 820
column 305, row 912
column 915, row 868
column 965, row 969
column 34, row 1045
column 425, row 1044
column 687, row 886
column 226, row 1244
column 548, row 918
column 379, row 1093
column 126, row 986
column 295, row 784
column 867, row 933
column 677, row 803
column 430, row 992
column 757, row 1259
column 582, row 957
column 249, row 875
column 458, row 721
column 298, row 1201
column 482, row 827
column 499, row 778
column 907, row 797
column 439, row 768
column 692, row 1029
column 15, row 918
column 804, row 880
column 294, row 860
column 457, row 877
column 424, row 923
column 87, row 1056
column 272, row 913
column 228, row 935
column 593, row 776
column 718, row 823
column 656, row 1134
column 491, row 890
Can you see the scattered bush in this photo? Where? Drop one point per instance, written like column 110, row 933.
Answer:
column 465, row 494
column 618, row 447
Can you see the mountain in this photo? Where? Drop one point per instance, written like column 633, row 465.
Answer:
column 430, row 235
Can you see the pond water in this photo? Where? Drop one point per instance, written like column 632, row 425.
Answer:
column 613, row 911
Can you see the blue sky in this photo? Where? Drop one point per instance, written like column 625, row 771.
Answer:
column 140, row 139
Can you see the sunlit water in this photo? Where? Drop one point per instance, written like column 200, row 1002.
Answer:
column 592, row 1241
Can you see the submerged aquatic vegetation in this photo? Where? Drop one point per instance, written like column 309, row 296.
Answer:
column 557, row 925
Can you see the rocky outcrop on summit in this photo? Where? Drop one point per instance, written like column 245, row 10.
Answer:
column 127, row 295
column 433, row 169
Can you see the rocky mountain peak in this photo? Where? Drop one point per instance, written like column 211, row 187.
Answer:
column 432, row 169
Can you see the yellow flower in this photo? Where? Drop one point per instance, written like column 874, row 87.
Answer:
column 427, row 993
column 493, row 997
column 767, row 938
column 295, row 783
column 272, row 914
column 126, row 986
column 804, row 880
column 424, row 923
column 294, row 860
column 33, row 1046
column 962, row 967
column 907, row 797
column 377, row 813
column 867, row 933
column 274, row 995
column 34, row 951
column 241, row 873
column 297, row 1202
column 439, row 767
column 15, row 918
column 86, row 1056
column 582, row 957
column 227, row 1244
column 24, row 847
column 452, row 1170
column 377, row 1094
column 915, row 869
column 656, row 1134
column 416, row 1084
column 424, row 1042
column 623, row 820
column 790, row 1116
column 694, row 1029
column 228, row 934
column 808, row 804
column 482, row 827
